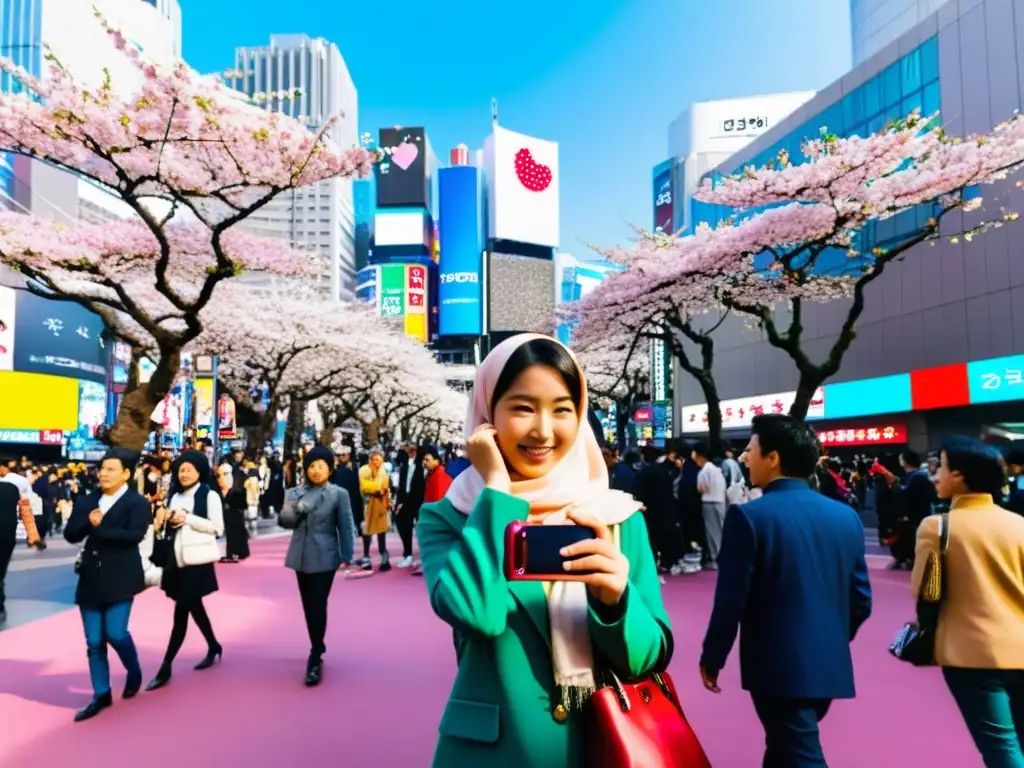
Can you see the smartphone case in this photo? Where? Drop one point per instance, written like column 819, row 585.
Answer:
column 516, row 553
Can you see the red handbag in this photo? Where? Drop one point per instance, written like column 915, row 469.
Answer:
column 640, row 725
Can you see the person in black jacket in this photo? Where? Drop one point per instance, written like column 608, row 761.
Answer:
column 409, row 498
column 345, row 476
column 112, row 523
column 9, row 500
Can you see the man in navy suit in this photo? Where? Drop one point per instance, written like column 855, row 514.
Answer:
column 793, row 579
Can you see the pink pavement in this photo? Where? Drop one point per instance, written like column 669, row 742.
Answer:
column 388, row 669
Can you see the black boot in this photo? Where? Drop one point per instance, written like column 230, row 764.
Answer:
column 212, row 657
column 163, row 677
column 94, row 707
column 314, row 671
column 132, row 685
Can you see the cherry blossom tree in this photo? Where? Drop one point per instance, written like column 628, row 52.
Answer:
column 618, row 371
column 191, row 160
column 795, row 218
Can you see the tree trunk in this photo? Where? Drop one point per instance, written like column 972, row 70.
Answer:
column 260, row 436
column 810, row 380
column 135, row 416
column 296, row 425
column 714, row 403
column 371, row 433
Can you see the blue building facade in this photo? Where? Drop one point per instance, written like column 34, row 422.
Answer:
column 942, row 305
column 21, row 42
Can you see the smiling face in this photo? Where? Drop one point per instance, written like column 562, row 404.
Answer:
column 537, row 422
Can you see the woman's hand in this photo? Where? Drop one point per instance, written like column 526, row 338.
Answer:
column 607, row 569
column 178, row 518
column 485, row 456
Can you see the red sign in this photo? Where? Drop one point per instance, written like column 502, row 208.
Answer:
column 415, row 289
column 886, row 434
column 643, row 414
column 51, row 437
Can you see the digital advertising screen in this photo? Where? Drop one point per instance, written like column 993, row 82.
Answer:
column 400, row 228
column 366, row 284
column 8, row 309
column 523, row 181
column 402, row 177
column 122, row 363
column 663, row 213
column 460, row 283
column 391, row 290
column 59, row 338
column 522, row 293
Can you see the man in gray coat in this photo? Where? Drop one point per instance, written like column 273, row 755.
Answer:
column 320, row 514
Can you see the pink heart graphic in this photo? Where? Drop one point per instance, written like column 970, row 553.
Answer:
column 404, row 155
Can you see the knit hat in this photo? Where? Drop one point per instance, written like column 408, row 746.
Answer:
column 318, row 452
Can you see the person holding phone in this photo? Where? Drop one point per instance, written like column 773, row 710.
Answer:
column 531, row 652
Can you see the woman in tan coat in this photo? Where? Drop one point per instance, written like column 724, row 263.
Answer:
column 980, row 638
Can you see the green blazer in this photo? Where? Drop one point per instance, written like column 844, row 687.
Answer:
column 504, row 710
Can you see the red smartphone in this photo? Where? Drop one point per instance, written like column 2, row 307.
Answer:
column 533, row 551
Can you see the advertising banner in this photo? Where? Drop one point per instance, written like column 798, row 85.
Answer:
column 37, row 401
column 59, row 338
column 523, row 180
column 32, row 437
column 738, row 413
column 204, row 404
column 402, row 177
column 391, row 290
column 460, row 285
column 661, row 372
column 416, row 302
column 996, row 380
column 8, row 308
column 663, row 216
column 227, row 424
column 122, row 364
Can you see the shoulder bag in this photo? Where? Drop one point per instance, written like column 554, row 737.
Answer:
column 915, row 643
column 640, row 724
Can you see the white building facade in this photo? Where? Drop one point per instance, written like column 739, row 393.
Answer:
column 708, row 133
column 319, row 218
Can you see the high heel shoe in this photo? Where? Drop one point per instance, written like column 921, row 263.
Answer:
column 212, row 657
column 163, row 677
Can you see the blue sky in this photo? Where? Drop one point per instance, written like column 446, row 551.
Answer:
column 603, row 78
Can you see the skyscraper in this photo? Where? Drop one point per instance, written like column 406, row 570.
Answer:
column 319, row 218
column 875, row 24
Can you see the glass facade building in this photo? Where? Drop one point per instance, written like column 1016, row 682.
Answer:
column 946, row 304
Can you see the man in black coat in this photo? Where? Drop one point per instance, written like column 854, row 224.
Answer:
column 345, row 476
column 112, row 523
column 9, row 498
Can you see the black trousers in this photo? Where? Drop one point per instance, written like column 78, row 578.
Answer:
column 791, row 735
column 7, row 544
column 315, row 589
column 406, row 523
column 182, row 610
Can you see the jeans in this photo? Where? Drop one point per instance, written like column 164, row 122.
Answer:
column 791, row 735
column 992, row 704
column 108, row 624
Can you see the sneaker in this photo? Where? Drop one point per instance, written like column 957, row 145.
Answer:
column 405, row 562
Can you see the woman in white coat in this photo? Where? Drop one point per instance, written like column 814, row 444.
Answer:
column 196, row 522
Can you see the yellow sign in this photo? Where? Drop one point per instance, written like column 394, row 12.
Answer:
column 204, row 403
column 37, row 401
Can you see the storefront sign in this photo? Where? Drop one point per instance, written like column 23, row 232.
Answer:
column 645, row 415
column 891, row 434
column 32, row 436
column 737, row 414
column 996, row 380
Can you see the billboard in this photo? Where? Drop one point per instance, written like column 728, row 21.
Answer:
column 402, row 177
column 366, row 284
column 522, row 291
column 739, row 413
column 663, row 212
column 391, row 290
column 523, row 180
column 43, row 402
column 406, row 228
column 460, row 283
column 58, row 338
column 416, row 302
column 7, row 315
